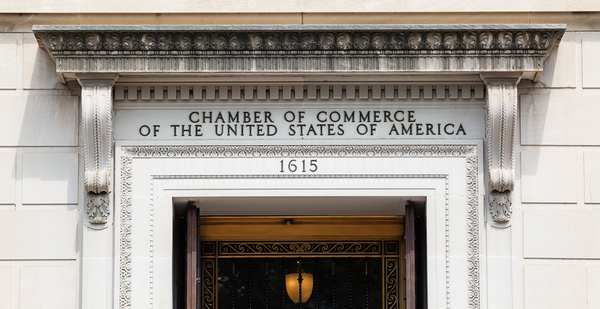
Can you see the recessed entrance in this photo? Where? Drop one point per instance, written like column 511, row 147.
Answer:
column 335, row 261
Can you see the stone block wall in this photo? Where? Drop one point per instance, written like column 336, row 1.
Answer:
column 40, row 192
column 557, row 224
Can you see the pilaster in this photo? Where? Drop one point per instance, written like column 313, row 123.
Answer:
column 96, row 130
column 501, row 125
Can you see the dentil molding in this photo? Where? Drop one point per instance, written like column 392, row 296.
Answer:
column 322, row 91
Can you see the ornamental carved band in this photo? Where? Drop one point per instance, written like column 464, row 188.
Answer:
column 96, row 124
column 501, row 131
column 305, row 38
column 295, row 248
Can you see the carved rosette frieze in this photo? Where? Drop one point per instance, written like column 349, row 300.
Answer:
column 501, row 136
column 96, row 125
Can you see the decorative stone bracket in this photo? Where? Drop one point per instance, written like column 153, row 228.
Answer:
column 96, row 125
column 501, row 136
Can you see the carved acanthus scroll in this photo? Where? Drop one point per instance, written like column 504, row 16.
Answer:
column 96, row 124
column 501, row 136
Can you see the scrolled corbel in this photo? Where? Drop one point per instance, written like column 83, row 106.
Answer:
column 96, row 126
column 502, row 114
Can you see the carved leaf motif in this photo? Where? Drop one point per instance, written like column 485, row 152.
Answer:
column 290, row 41
column 236, row 42
column 500, row 206
column 504, row 40
column 543, row 40
column 201, row 42
column 397, row 41
column 326, row 40
column 414, row 41
column 98, row 208
column 256, row 41
column 130, row 41
column 272, row 41
column 486, row 40
column 148, row 41
column 379, row 41
column 450, row 40
column 165, row 42
column 218, row 41
column 52, row 41
column 434, row 40
column 183, row 41
column 308, row 41
column 469, row 40
column 93, row 41
column 112, row 41
column 77, row 41
column 522, row 40
column 362, row 41
column 344, row 40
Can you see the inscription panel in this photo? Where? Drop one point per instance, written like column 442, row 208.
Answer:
column 276, row 123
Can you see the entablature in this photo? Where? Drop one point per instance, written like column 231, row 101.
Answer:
column 297, row 62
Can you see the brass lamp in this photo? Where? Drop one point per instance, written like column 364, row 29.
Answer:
column 299, row 285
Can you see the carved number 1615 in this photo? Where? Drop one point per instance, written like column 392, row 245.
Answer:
column 298, row 166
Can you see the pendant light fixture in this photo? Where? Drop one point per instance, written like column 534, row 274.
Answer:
column 299, row 285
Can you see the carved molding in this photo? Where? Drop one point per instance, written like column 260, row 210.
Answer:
column 301, row 48
column 501, row 125
column 96, row 125
column 472, row 173
column 125, row 225
column 320, row 151
column 469, row 152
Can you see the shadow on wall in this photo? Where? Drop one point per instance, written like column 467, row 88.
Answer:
column 45, row 114
column 534, row 106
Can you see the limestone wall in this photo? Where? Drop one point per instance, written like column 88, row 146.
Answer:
column 262, row 6
column 557, row 225
column 40, row 192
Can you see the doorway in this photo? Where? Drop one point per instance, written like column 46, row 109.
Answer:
column 347, row 261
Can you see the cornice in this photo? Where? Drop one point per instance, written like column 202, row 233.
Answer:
column 299, row 48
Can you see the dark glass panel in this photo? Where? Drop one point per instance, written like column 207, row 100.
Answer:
column 252, row 286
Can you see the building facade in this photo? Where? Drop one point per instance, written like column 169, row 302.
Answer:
column 395, row 155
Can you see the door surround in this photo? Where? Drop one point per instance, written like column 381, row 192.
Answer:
column 150, row 176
